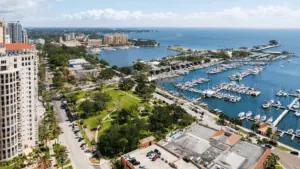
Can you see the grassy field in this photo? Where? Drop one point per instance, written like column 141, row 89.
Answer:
column 178, row 48
column 119, row 100
column 284, row 148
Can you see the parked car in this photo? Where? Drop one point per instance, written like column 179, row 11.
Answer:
column 155, row 157
column 268, row 146
column 149, row 153
column 295, row 153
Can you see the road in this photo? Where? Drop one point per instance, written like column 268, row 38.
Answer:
column 78, row 158
column 288, row 160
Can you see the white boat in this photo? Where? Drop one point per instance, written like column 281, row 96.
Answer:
column 257, row 117
column 296, row 105
column 266, row 105
column 298, row 132
column 272, row 101
column 277, row 104
column 297, row 114
column 290, row 131
column 263, row 118
column 298, row 91
column 270, row 120
column 281, row 66
column 241, row 115
column 249, row 114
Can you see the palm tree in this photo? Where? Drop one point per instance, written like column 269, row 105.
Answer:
column 271, row 161
column 61, row 155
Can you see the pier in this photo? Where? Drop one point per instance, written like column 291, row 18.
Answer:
column 289, row 107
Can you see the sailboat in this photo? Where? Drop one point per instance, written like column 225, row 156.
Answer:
column 297, row 132
column 263, row 118
column 249, row 114
column 270, row 120
column 241, row 115
column 297, row 113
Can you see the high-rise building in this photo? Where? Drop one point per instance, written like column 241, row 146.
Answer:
column 108, row 39
column 116, row 39
column 2, row 31
column 18, row 100
column 120, row 38
column 17, row 33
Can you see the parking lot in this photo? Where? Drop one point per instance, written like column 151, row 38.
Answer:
column 162, row 163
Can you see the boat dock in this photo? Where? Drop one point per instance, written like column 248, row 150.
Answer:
column 289, row 107
column 236, row 88
column 282, row 132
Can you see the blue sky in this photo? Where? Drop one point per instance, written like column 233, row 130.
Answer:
column 153, row 13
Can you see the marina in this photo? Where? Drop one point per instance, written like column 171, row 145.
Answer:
column 224, row 67
column 245, row 73
column 278, row 113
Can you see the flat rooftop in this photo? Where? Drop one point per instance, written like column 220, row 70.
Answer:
column 215, row 149
column 162, row 162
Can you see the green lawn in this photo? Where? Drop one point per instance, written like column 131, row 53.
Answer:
column 105, row 126
column 93, row 122
column 118, row 97
column 284, row 148
column 70, row 167
column 119, row 100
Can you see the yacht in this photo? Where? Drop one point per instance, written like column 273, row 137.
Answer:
column 263, row 118
column 241, row 115
column 266, row 104
column 298, row 132
column 296, row 105
column 270, row 120
column 290, row 131
column 297, row 113
column 249, row 114
column 257, row 117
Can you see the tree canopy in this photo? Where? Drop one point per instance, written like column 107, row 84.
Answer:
column 107, row 74
column 126, row 84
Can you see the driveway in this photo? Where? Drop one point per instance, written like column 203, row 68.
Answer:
column 288, row 160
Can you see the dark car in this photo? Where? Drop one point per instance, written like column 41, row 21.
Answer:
column 294, row 153
column 268, row 146
column 136, row 163
column 149, row 153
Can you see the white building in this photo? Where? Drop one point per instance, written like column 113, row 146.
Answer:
column 18, row 101
column 36, row 41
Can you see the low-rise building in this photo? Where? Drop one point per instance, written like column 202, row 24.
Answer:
column 143, row 158
column 95, row 42
column 214, row 149
column 36, row 41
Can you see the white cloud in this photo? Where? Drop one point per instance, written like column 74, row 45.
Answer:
column 260, row 17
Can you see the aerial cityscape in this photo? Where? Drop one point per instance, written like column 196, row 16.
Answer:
column 149, row 85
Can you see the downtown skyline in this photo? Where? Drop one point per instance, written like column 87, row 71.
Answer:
column 166, row 13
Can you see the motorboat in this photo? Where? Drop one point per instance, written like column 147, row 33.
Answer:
column 263, row 118
column 297, row 132
column 257, row 117
column 297, row 114
column 249, row 114
column 296, row 105
column 266, row 104
column 241, row 115
column 298, row 91
column 281, row 66
column 272, row 102
column 290, row 131
column 270, row 120
column 277, row 104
